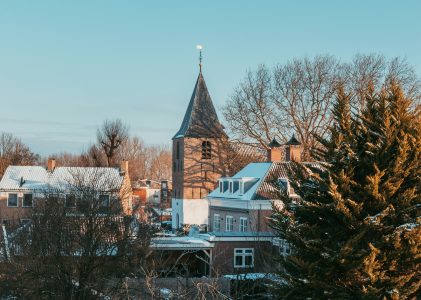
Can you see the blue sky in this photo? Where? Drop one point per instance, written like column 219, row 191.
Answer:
column 65, row 66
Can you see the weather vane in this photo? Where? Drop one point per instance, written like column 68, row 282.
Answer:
column 200, row 47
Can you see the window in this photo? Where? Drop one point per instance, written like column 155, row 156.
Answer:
column 229, row 223
column 216, row 222
column 243, row 258
column 225, row 186
column 70, row 201
column 236, row 186
column 12, row 200
column 221, row 187
column 104, row 201
column 25, row 222
column 27, row 200
column 206, row 150
column 243, row 224
column 230, row 186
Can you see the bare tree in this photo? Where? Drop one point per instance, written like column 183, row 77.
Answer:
column 111, row 135
column 373, row 71
column 304, row 90
column 250, row 111
column 134, row 150
column 296, row 97
column 160, row 162
column 14, row 152
column 76, row 241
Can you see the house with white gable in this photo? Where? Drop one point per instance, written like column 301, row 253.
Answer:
column 22, row 187
column 240, row 208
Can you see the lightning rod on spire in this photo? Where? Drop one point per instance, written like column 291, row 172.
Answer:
column 200, row 47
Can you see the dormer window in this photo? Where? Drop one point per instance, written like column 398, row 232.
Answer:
column 225, row 186
column 221, row 189
column 230, row 186
column 236, row 186
column 206, row 150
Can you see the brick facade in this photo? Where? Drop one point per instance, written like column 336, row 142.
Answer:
column 194, row 176
column 223, row 256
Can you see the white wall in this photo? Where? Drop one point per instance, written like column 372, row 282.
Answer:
column 190, row 211
column 196, row 211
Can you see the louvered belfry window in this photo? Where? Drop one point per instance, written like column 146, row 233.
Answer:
column 206, row 150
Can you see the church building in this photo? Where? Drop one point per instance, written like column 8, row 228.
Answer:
column 199, row 153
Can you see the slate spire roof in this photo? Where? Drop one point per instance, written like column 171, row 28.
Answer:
column 200, row 119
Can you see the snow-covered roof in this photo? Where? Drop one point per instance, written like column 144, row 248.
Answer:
column 259, row 181
column 24, row 178
column 253, row 173
column 36, row 178
column 180, row 242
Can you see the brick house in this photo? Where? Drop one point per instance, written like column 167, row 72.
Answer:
column 240, row 208
column 21, row 187
column 154, row 192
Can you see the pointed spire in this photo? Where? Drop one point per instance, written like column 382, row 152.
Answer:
column 200, row 119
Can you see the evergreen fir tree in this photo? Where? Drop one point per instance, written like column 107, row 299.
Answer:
column 356, row 230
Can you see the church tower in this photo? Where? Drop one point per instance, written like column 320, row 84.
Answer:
column 198, row 158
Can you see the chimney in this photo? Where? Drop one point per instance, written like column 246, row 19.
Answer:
column 51, row 165
column 274, row 152
column 124, row 166
column 293, row 150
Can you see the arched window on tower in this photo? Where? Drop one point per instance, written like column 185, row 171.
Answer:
column 206, row 150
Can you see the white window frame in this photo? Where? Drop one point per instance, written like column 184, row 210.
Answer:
column 241, row 188
column 32, row 200
column 17, row 200
column 229, row 226
column 236, row 182
column 243, row 224
column 24, row 221
column 243, row 253
column 216, row 220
